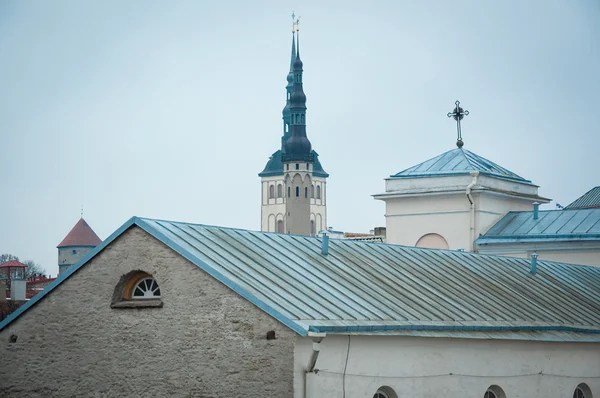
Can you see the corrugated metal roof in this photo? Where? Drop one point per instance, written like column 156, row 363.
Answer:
column 551, row 226
column 369, row 287
column 455, row 162
column 591, row 199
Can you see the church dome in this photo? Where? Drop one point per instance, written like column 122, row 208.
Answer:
column 298, row 146
column 297, row 97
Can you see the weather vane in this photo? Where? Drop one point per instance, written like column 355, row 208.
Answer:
column 458, row 115
column 296, row 23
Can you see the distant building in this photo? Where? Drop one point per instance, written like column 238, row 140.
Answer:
column 12, row 280
column 293, row 193
column 78, row 242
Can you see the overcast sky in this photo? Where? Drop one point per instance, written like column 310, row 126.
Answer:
column 169, row 109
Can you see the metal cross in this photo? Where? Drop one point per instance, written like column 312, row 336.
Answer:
column 293, row 21
column 458, row 114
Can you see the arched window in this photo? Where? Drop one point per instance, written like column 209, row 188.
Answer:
column 385, row 392
column 312, row 191
column 137, row 289
column 432, row 241
column 306, row 192
column 318, row 192
column 146, row 288
column 494, row 392
column 582, row 391
column 280, row 226
column 271, row 191
column 312, row 228
column 297, row 191
column 279, row 191
column 289, row 190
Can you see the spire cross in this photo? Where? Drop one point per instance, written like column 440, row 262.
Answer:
column 296, row 23
column 458, row 115
column 293, row 21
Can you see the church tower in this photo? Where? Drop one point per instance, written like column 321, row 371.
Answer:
column 293, row 181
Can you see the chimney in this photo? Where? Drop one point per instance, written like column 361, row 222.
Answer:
column 536, row 208
column 2, row 291
column 534, row 257
column 380, row 231
column 325, row 244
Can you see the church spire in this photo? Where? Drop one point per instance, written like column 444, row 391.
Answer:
column 290, row 84
column 297, row 147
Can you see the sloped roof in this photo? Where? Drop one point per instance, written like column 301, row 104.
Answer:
column 368, row 287
column 274, row 166
column 81, row 235
column 551, row 226
column 456, row 162
column 12, row 263
column 591, row 199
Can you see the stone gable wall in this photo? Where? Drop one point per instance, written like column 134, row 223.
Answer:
column 206, row 341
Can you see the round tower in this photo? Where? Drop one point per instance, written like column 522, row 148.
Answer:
column 78, row 242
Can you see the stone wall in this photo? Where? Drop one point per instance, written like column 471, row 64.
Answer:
column 205, row 341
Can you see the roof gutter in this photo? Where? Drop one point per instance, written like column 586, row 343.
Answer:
column 453, row 328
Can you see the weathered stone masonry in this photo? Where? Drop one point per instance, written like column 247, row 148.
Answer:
column 205, row 341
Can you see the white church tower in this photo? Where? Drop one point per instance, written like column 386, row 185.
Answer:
column 293, row 194
column 448, row 201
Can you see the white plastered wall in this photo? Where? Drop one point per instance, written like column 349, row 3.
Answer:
column 421, row 367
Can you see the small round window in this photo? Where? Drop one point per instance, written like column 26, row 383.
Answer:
column 146, row 288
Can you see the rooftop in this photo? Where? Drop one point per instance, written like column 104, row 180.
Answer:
column 12, row 263
column 551, row 225
column 458, row 161
column 81, row 235
column 362, row 287
column 591, row 199
column 274, row 166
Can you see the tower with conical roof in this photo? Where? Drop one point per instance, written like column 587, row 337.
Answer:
column 293, row 181
column 78, row 242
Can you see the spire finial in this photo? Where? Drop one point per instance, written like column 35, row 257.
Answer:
column 458, row 113
column 81, row 211
column 293, row 22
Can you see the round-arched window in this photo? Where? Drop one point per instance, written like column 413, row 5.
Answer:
column 385, row 392
column 582, row 391
column 494, row 392
column 146, row 288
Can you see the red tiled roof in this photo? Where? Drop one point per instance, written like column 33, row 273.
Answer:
column 12, row 263
column 81, row 235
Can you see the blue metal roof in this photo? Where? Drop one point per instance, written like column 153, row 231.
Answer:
column 458, row 161
column 274, row 166
column 551, row 226
column 591, row 199
column 362, row 287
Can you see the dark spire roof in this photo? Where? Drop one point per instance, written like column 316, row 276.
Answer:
column 298, row 147
column 81, row 235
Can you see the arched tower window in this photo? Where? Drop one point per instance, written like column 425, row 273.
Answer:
column 289, row 192
column 313, row 230
column 312, row 191
column 279, row 191
column 280, row 226
column 306, row 192
column 271, row 191
column 432, row 241
column 297, row 191
column 318, row 192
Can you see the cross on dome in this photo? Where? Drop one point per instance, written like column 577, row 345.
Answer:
column 458, row 113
